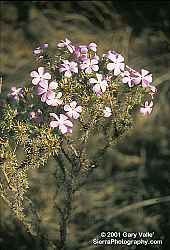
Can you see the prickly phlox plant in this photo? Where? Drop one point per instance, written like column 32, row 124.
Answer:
column 72, row 95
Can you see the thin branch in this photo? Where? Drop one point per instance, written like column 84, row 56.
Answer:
column 137, row 205
column 61, row 165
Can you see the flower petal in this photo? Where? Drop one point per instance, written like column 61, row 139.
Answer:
column 69, row 130
column 147, row 79
column 83, row 66
column 99, row 77
column 92, row 80
column 73, row 104
column 54, row 124
column 44, row 84
column 68, row 123
column 63, row 129
column 41, row 71
column 63, row 117
column 93, row 46
column 50, row 95
column 62, row 69
column 112, row 56
column 125, row 79
column 55, row 116
column 56, row 102
column 34, row 74
column 68, row 74
column 75, row 115
column 40, row 90
column 94, row 61
column 59, row 95
column 136, row 80
column 110, row 66
column 67, row 107
column 151, row 104
column 36, row 80
column 44, row 97
column 60, row 45
column 70, row 113
column 103, row 87
column 78, row 109
column 120, row 58
column 50, row 102
column 88, row 70
column 70, row 48
column 116, row 70
column 144, row 72
column 95, row 67
column 96, row 88
column 53, row 85
column 47, row 76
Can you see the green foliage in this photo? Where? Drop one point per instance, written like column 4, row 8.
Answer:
column 23, row 146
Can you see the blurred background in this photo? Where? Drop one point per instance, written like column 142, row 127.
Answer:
column 136, row 169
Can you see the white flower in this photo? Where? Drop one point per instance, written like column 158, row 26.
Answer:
column 147, row 109
column 68, row 67
column 117, row 64
column 72, row 110
column 66, row 44
column 89, row 65
column 56, row 100
column 39, row 76
column 62, row 123
column 107, row 112
column 101, row 84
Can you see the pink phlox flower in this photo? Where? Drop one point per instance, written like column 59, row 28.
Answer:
column 15, row 93
column 47, row 90
column 96, row 57
column 55, row 100
column 81, row 52
column 72, row 110
column 147, row 109
column 153, row 90
column 66, row 44
column 93, row 47
column 89, row 65
column 68, row 68
column 62, row 123
column 40, row 76
column 131, row 77
column 107, row 112
column 100, row 84
column 146, row 78
column 117, row 65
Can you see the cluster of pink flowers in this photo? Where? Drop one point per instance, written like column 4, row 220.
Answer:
column 132, row 78
column 49, row 95
column 80, row 55
column 46, row 90
column 82, row 60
